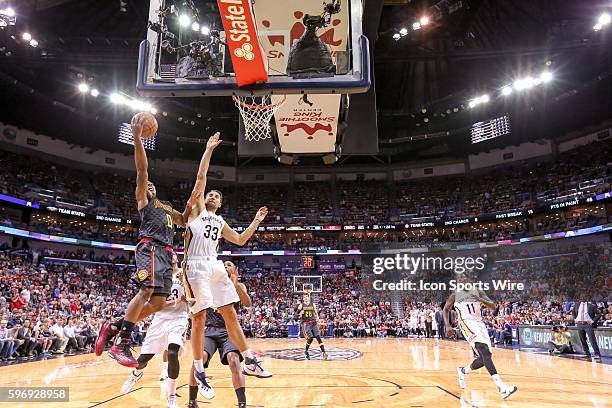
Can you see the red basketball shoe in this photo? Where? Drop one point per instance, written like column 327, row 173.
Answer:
column 106, row 333
column 123, row 354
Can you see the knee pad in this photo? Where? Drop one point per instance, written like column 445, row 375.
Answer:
column 173, row 360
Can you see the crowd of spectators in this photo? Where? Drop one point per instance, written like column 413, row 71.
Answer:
column 56, row 308
column 253, row 196
column 364, row 201
column 55, row 302
column 431, row 197
column 312, row 202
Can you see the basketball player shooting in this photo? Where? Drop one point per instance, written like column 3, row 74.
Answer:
column 153, row 256
column 207, row 283
column 217, row 339
column 166, row 335
column 310, row 324
column 468, row 305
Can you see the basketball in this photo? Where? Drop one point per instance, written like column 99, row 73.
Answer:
column 149, row 128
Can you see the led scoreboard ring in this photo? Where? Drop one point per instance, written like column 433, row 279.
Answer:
column 308, row 262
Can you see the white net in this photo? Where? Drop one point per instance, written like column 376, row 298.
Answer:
column 256, row 114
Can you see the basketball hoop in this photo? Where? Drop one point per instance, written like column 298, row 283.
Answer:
column 256, row 114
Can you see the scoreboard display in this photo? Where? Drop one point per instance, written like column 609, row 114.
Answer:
column 490, row 129
column 308, row 262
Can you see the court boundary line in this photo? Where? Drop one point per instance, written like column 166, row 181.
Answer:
column 114, row 398
column 456, row 396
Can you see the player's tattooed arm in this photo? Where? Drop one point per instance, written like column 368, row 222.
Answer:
column 240, row 239
column 140, row 159
column 448, row 306
column 197, row 196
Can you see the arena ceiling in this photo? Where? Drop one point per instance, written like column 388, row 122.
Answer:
column 473, row 46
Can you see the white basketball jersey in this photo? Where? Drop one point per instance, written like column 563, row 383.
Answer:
column 180, row 311
column 203, row 234
column 467, row 305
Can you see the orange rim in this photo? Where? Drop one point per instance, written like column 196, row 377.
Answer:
column 258, row 107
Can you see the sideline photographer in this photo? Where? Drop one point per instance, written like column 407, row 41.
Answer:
column 561, row 343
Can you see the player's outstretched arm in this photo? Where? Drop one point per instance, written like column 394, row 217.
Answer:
column 142, row 165
column 241, row 239
column 447, row 309
column 197, row 197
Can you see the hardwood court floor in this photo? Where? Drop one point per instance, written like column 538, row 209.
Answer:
column 361, row 373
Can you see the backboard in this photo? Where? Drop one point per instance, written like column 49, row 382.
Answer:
column 308, row 284
column 178, row 27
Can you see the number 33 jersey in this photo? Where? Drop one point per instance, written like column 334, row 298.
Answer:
column 203, row 234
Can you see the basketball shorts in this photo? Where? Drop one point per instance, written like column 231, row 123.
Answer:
column 163, row 333
column 154, row 267
column 311, row 330
column 216, row 338
column 475, row 332
column 207, row 284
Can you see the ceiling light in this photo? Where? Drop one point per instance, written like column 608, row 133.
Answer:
column 95, row 93
column 184, row 20
column 523, row 83
column 597, row 27
column 205, row 30
column 416, row 26
column 403, row 31
column 506, row 90
column 26, row 36
column 33, row 43
column 546, row 76
column 396, row 36
column 117, row 98
column 195, row 26
column 424, row 20
column 604, row 19
column 9, row 12
column 83, row 87
column 484, row 98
